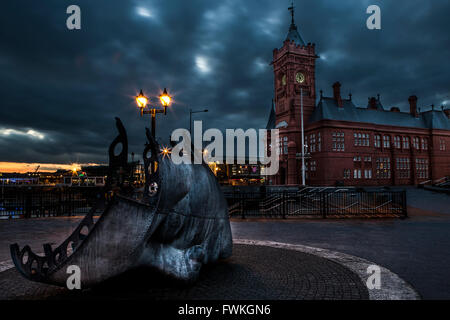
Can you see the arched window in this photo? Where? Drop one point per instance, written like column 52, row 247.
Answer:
column 377, row 141
column 424, row 144
column 397, row 142
column 386, row 141
column 405, row 142
column 416, row 143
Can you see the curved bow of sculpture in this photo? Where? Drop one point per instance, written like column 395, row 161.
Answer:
column 177, row 223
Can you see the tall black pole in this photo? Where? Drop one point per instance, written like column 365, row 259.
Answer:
column 154, row 124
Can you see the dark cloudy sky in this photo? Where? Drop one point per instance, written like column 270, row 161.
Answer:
column 60, row 89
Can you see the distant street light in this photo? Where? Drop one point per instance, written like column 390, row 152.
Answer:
column 142, row 101
column 190, row 118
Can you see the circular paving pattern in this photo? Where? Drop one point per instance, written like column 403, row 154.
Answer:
column 253, row 272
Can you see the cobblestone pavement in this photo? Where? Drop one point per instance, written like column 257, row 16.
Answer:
column 417, row 249
column 253, row 272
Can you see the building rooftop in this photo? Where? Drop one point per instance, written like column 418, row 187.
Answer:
column 327, row 109
column 294, row 35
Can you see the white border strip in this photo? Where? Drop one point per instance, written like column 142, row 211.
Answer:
column 392, row 286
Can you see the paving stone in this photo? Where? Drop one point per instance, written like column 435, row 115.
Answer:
column 253, row 272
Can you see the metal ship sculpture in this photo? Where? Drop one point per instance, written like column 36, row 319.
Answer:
column 176, row 223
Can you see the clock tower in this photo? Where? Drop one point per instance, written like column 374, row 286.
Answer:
column 294, row 82
column 294, row 73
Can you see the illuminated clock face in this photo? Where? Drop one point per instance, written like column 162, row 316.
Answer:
column 300, row 77
column 283, row 80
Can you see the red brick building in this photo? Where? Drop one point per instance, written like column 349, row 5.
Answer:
column 346, row 144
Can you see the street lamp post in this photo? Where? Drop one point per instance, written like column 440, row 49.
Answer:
column 303, row 138
column 190, row 117
column 142, row 102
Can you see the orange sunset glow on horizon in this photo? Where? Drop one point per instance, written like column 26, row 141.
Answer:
column 23, row 167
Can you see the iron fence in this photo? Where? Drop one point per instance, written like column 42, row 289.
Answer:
column 310, row 203
column 44, row 201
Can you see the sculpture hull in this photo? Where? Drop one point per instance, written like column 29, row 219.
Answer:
column 112, row 246
column 176, row 229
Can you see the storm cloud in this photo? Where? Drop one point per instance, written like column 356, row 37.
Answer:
column 60, row 89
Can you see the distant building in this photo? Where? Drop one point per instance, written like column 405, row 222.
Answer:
column 346, row 144
column 88, row 176
column 238, row 174
column 18, row 179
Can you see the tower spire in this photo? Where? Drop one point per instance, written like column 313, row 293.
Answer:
column 291, row 9
column 293, row 34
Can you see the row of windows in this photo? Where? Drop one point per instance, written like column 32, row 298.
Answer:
column 357, row 174
column 314, row 144
column 403, row 168
column 366, row 159
column 338, row 140
column 400, row 142
column 311, row 165
column 383, row 169
column 382, row 174
column 311, row 168
column 403, row 163
column 361, row 139
column 283, row 145
column 383, row 163
column 383, row 166
column 422, row 168
column 377, row 141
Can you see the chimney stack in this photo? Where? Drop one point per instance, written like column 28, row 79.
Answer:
column 413, row 106
column 372, row 103
column 337, row 94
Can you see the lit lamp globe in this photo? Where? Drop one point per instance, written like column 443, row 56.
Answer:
column 165, row 99
column 141, row 101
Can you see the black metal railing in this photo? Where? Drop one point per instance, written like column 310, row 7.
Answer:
column 44, row 201
column 317, row 203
